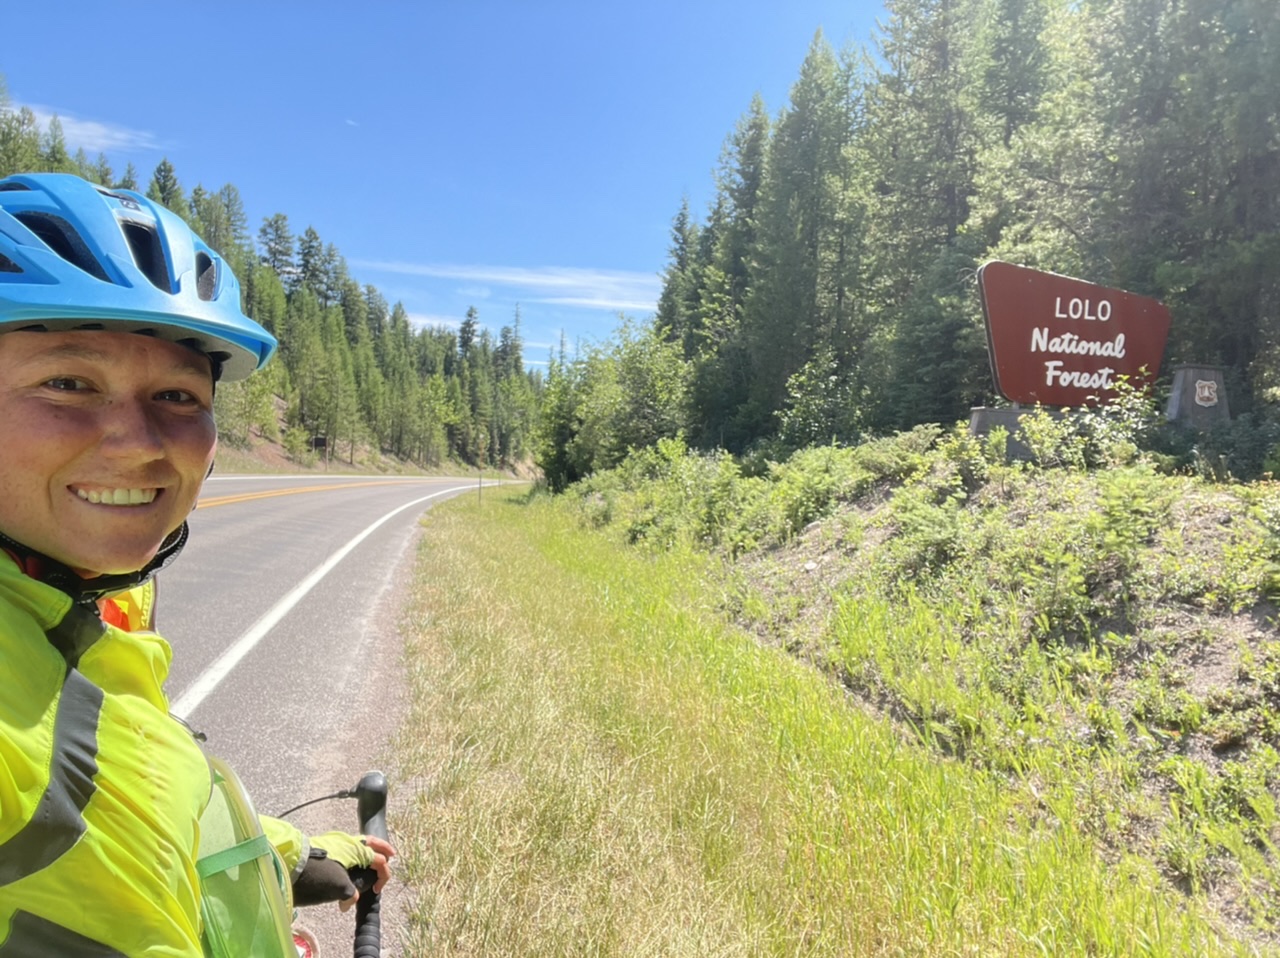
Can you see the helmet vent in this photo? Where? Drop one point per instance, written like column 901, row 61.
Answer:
column 8, row 266
column 61, row 237
column 14, row 187
column 206, row 277
column 144, row 243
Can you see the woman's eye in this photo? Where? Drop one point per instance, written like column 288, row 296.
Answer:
column 175, row 395
column 65, row 383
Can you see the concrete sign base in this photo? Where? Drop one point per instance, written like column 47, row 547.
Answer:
column 1199, row 397
column 983, row 419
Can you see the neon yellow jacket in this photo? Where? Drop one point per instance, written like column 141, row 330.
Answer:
column 100, row 791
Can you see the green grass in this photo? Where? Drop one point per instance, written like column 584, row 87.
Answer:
column 1084, row 625
column 601, row 766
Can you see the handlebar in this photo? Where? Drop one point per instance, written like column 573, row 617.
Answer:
column 371, row 806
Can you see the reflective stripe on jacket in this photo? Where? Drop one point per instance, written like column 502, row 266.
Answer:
column 100, row 789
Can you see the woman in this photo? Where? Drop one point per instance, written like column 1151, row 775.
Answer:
column 116, row 322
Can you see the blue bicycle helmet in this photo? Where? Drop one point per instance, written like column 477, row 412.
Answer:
column 78, row 256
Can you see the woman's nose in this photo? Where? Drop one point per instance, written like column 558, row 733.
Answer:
column 130, row 430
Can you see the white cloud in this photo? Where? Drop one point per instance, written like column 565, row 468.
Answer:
column 95, row 136
column 559, row 285
column 596, row 302
column 350, row 122
column 432, row 319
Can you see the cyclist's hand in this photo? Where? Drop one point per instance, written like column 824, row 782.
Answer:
column 380, row 862
column 382, row 855
column 323, row 879
column 366, row 859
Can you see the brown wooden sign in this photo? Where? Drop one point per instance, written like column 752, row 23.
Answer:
column 1064, row 342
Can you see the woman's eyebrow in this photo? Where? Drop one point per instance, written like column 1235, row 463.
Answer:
column 196, row 363
column 68, row 351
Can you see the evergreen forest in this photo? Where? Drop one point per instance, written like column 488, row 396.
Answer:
column 353, row 371
column 829, row 292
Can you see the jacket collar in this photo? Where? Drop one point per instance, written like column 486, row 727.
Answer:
column 87, row 592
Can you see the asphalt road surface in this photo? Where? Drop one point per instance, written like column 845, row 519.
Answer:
column 282, row 611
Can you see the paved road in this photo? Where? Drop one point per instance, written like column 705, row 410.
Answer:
column 299, row 692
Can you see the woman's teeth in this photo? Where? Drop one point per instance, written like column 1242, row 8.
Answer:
column 117, row 497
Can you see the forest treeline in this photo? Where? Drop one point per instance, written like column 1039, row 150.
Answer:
column 354, row 372
column 828, row 292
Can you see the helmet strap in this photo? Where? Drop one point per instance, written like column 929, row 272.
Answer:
column 87, row 592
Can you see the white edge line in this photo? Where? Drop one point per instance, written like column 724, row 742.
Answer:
column 211, row 677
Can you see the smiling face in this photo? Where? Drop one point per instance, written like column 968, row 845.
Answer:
column 105, row 440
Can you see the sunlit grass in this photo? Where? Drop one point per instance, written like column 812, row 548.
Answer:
column 601, row 768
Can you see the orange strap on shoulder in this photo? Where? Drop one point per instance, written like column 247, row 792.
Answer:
column 133, row 610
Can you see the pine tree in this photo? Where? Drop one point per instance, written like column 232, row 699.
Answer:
column 237, row 220
column 1193, row 88
column 507, row 359
column 310, row 274
column 102, row 172
column 921, row 148
column 559, row 423
column 54, row 157
column 378, row 316
column 1039, row 199
column 81, row 166
column 268, row 304
column 1010, row 63
column 677, row 317
column 797, row 297
column 205, row 216
column 467, row 332
column 401, row 376
column 129, row 181
column 276, row 245
column 19, row 141
column 166, row 190
column 741, row 178
column 333, row 275
column 355, row 312
column 722, row 370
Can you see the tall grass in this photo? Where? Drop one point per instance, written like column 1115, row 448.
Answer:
column 601, row 767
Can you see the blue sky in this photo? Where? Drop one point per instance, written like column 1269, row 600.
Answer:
column 475, row 152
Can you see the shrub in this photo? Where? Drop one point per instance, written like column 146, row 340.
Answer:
column 297, row 445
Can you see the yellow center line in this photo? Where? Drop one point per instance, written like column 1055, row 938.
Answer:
column 246, row 496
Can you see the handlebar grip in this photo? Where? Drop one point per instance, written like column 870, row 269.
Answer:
column 371, row 805
column 368, row 942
